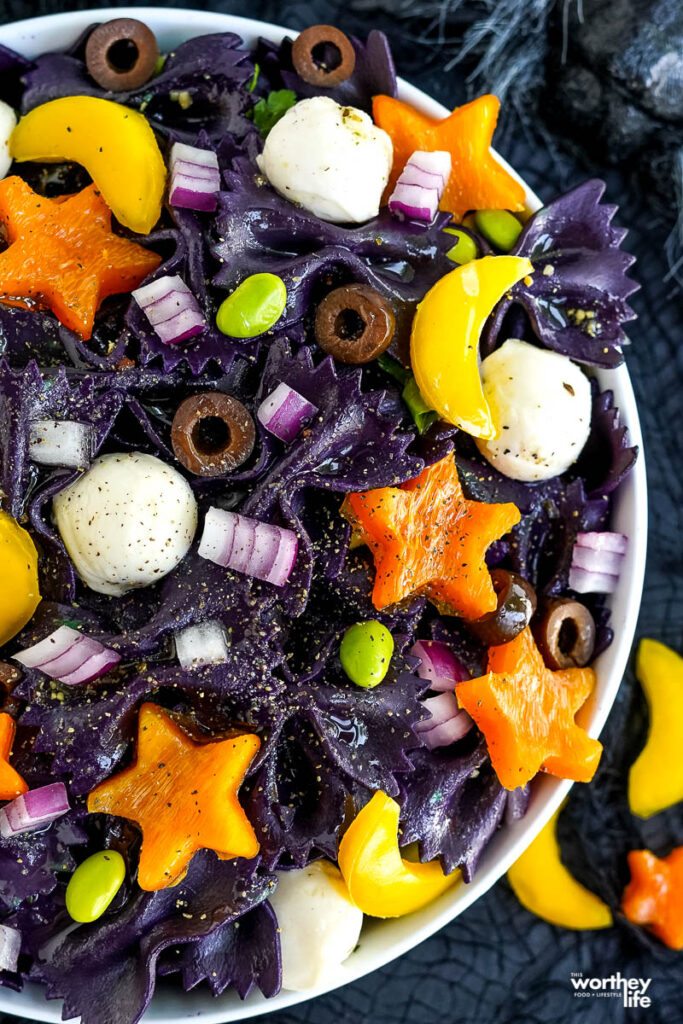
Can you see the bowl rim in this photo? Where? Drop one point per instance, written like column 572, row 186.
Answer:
column 34, row 35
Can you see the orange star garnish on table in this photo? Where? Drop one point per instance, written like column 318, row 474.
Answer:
column 526, row 713
column 427, row 538
column 654, row 896
column 183, row 796
column 477, row 181
column 11, row 782
column 63, row 254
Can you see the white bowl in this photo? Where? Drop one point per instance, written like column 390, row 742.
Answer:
column 382, row 941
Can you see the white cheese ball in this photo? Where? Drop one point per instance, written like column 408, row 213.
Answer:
column 540, row 402
column 8, row 122
column 333, row 160
column 127, row 522
column 319, row 925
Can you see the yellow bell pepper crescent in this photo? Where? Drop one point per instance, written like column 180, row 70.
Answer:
column 444, row 345
column 19, row 593
column 656, row 778
column 115, row 144
column 544, row 886
column 379, row 881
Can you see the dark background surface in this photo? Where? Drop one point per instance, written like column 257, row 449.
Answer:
column 497, row 964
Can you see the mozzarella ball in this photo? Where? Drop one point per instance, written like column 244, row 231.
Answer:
column 319, row 925
column 540, row 402
column 127, row 522
column 331, row 159
column 8, row 122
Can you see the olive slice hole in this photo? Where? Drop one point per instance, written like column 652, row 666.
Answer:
column 349, row 325
column 123, row 55
column 327, row 56
column 210, row 435
column 568, row 636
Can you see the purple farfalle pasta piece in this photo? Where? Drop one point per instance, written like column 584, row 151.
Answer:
column 118, row 954
column 258, row 230
column 577, row 296
column 452, row 806
column 297, row 800
column 32, row 393
column 241, row 955
column 212, row 69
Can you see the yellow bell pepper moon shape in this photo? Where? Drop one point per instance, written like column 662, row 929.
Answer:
column 378, row 880
column 656, row 778
column 444, row 345
column 19, row 594
column 115, row 144
column 543, row 885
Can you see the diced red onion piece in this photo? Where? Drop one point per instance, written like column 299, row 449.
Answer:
column 73, row 658
column 191, row 199
column 147, row 294
column 180, row 151
column 243, row 544
column 195, row 178
column 218, row 536
column 597, row 561
column 167, row 305
column 583, row 581
column 201, row 644
column 93, row 668
column 448, row 732
column 439, row 665
column 186, row 324
column 171, row 309
column 200, row 172
column 61, row 443
column 69, row 656
column 603, row 541
column 414, row 201
column 412, row 175
column 33, row 810
column 285, row 558
column 440, row 708
column 437, row 162
column 10, row 947
column 284, row 412
column 246, row 545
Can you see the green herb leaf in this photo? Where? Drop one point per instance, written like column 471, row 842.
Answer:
column 267, row 112
column 394, row 368
column 419, row 410
column 254, row 78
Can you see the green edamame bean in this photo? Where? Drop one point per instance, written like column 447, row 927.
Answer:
column 464, row 250
column 254, row 306
column 499, row 227
column 94, row 884
column 365, row 652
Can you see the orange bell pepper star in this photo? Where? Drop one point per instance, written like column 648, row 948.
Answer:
column 64, row 255
column 183, row 796
column 478, row 181
column 11, row 782
column 427, row 538
column 526, row 713
column 654, row 896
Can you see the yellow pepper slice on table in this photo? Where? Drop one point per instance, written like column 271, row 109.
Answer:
column 656, row 778
column 379, row 881
column 544, row 886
